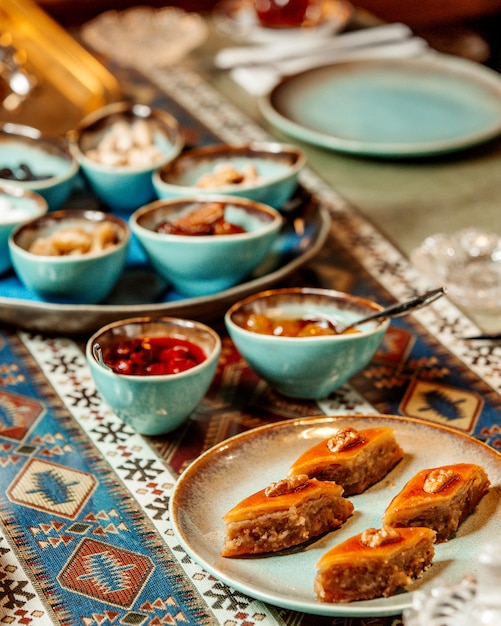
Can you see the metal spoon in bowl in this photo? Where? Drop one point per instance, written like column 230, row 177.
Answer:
column 98, row 355
column 395, row 310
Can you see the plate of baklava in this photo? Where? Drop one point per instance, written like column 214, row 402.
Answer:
column 340, row 515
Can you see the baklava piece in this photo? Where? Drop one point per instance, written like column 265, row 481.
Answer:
column 354, row 459
column 439, row 498
column 285, row 514
column 374, row 564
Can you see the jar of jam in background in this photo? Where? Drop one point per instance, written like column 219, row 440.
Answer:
column 281, row 13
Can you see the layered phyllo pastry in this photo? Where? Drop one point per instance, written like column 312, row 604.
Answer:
column 440, row 498
column 287, row 513
column 373, row 564
column 354, row 459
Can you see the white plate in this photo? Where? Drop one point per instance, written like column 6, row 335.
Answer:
column 419, row 106
column 238, row 19
column 235, row 468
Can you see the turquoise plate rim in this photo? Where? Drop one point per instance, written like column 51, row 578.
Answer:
column 469, row 71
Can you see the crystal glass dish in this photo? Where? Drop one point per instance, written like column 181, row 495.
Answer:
column 467, row 262
column 144, row 35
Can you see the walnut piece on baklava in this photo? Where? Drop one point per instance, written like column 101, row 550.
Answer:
column 355, row 459
column 286, row 513
column 440, row 498
column 375, row 563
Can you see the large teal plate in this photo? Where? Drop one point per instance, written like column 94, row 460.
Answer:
column 425, row 105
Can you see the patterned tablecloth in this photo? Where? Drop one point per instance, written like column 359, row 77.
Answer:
column 85, row 531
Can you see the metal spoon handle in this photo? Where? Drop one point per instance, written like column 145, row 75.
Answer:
column 98, row 355
column 403, row 308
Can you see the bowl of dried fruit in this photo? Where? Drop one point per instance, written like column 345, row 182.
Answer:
column 16, row 207
column 37, row 162
column 153, row 372
column 265, row 172
column 119, row 146
column 294, row 338
column 204, row 245
column 70, row 256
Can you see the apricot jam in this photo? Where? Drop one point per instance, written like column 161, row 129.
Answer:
column 259, row 323
column 153, row 356
column 287, row 327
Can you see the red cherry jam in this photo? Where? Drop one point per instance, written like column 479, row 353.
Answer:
column 153, row 356
column 281, row 13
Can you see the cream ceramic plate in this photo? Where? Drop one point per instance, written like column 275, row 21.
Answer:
column 237, row 18
column 227, row 473
column 419, row 106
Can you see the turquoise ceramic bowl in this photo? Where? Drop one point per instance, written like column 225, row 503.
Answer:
column 153, row 405
column 305, row 367
column 205, row 264
column 16, row 207
column 264, row 172
column 37, row 162
column 117, row 159
column 69, row 278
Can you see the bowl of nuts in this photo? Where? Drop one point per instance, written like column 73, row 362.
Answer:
column 119, row 146
column 265, row 172
column 37, row 162
column 17, row 206
column 293, row 338
column 204, row 245
column 70, row 256
column 153, row 372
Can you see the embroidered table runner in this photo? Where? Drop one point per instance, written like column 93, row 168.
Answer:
column 84, row 506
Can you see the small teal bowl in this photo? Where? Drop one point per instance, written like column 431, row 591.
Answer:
column 69, row 278
column 121, row 184
column 27, row 153
column 17, row 206
column 202, row 265
column 153, row 405
column 274, row 171
column 305, row 367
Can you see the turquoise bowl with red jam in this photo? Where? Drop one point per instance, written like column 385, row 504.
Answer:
column 153, row 372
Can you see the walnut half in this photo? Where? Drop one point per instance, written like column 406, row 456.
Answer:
column 286, row 485
column 374, row 537
column 343, row 439
column 439, row 478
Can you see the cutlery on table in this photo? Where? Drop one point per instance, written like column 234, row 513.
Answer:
column 484, row 337
column 228, row 58
column 260, row 79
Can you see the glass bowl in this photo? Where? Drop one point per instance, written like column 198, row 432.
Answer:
column 467, row 262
